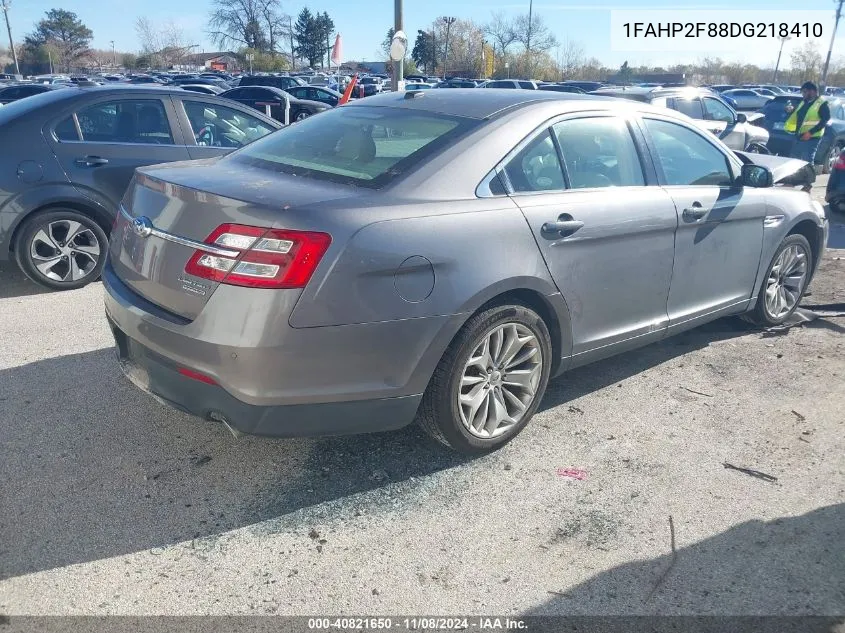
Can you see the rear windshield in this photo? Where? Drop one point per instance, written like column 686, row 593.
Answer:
column 366, row 146
column 23, row 106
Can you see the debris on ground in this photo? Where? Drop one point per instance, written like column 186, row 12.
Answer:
column 380, row 475
column 800, row 417
column 572, row 473
column 672, row 562
column 751, row 473
column 313, row 534
column 574, row 409
column 700, row 393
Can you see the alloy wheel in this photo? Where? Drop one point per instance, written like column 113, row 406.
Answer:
column 832, row 157
column 786, row 280
column 500, row 380
column 65, row 251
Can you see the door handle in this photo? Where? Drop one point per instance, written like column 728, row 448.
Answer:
column 564, row 227
column 92, row 161
column 695, row 212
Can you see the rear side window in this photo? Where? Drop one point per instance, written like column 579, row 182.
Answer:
column 537, row 167
column 360, row 145
column 66, row 130
column 599, row 152
column 690, row 107
column 142, row 121
column 527, row 85
column 687, row 158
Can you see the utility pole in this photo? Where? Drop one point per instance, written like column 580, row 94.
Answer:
column 783, row 41
column 528, row 40
column 830, row 48
column 113, row 56
column 449, row 22
column 398, row 66
column 5, row 4
column 292, row 52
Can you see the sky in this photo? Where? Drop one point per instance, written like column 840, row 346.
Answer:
column 364, row 24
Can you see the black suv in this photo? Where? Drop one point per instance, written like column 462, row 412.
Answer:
column 707, row 108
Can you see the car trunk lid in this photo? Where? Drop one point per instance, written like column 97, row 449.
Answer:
column 169, row 211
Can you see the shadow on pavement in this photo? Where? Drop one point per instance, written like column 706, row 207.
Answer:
column 788, row 566
column 93, row 468
column 13, row 283
column 583, row 380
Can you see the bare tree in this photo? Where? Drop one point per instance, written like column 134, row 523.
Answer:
column 570, row 57
column 807, row 61
column 163, row 44
column 500, row 30
column 248, row 23
column 531, row 31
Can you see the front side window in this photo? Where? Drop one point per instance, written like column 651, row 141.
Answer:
column 536, row 167
column 359, row 145
column 142, row 121
column 687, row 158
column 715, row 110
column 214, row 125
column 599, row 152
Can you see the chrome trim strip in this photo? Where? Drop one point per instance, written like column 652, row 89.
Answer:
column 184, row 241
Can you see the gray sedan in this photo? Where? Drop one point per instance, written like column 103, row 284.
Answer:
column 746, row 99
column 439, row 256
column 69, row 155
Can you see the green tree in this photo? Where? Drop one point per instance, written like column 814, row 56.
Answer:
column 424, row 53
column 307, row 36
column 324, row 29
column 65, row 33
column 625, row 73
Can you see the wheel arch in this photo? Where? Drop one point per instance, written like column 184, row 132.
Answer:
column 95, row 213
column 810, row 230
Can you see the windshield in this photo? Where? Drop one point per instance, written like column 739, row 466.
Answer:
column 367, row 146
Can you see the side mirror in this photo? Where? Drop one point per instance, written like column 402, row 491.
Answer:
column 756, row 176
column 741, row 118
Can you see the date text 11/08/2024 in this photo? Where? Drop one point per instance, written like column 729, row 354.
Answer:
column 722, row 29
column 418, row 624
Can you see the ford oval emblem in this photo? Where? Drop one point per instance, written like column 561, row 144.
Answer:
column 142, row 227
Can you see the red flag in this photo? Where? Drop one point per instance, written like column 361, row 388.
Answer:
column 348, row 92
column 337, row 51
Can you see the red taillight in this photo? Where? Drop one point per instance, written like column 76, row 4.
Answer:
column 267, row 258
column 839, row 165
column 195, row 375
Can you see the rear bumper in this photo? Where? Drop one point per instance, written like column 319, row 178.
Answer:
column 160, row 377
column 270, row 378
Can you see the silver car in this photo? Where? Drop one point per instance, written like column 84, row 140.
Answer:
column 746, row 99
column 439, row 256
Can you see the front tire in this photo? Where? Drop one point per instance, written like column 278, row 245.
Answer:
column 490, row 381
column 61, row 249
column 785, row 282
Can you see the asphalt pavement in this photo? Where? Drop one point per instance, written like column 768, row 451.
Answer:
column 114, row 504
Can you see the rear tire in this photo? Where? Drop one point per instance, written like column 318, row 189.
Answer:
column 490, row 380
column 784, row 283
column 61, row 249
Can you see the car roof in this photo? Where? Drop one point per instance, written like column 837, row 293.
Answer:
column 470, row 102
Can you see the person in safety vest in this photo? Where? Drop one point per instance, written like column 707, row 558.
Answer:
column 807, row 122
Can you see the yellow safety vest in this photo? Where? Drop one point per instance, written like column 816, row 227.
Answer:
column 810, row 121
